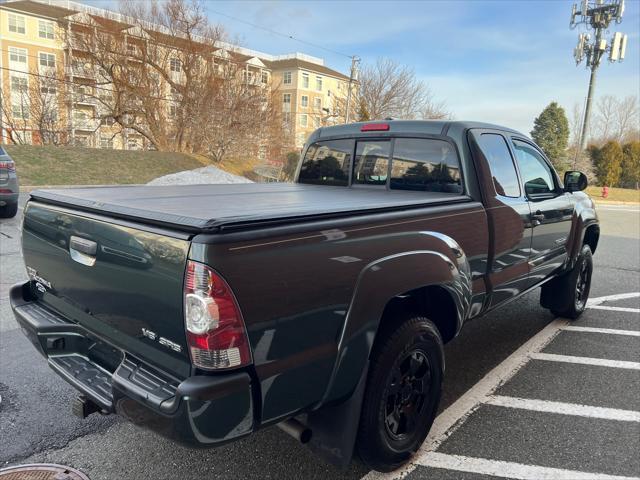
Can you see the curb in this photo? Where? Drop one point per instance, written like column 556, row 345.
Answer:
column 613, row 202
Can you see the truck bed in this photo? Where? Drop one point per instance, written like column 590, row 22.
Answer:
column 209, row 208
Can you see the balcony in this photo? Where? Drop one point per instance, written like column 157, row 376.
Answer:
column 81, row 71
column 85, row 124
column 84, row 99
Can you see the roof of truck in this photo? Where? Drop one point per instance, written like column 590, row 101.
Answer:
column 428, row 127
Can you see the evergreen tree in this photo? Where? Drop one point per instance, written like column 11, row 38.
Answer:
column 551, row 133
column 630, row 177
column 608, row 162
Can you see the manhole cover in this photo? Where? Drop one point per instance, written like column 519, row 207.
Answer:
column 41, row 471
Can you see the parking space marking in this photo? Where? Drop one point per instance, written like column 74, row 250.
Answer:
column 480, row 394
column 564, row 408
column 611, row 298
column 614, row 309
column 446, row 423
column 601, row 362
column 504, row 469
column 614, row 331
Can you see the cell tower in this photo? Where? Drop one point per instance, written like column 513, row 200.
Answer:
column 593, row 44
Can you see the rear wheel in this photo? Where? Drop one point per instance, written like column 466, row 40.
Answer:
column 567, row 295
column 9, row 210
column 402, row 394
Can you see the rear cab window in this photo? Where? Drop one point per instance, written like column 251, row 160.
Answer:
column 414, row 164
column 327, row 163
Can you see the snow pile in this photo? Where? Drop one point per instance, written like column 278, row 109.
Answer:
column 199, row 176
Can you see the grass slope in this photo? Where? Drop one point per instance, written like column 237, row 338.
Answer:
column 48, row 165
column 615, row 194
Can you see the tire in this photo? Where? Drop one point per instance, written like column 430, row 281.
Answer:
column 403, row 390
column 9, row 211
column 567, row 295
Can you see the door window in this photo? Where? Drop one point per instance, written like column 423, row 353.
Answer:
column 372, row 163
column 536, row 173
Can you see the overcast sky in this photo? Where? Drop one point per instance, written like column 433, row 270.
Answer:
column 496, row 61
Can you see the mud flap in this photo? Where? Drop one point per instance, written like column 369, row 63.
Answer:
column 335, row 428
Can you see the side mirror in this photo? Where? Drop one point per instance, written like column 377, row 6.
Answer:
column 574, row 181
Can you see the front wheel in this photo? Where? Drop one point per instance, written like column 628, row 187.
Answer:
column 567, row 295
column 402, row 394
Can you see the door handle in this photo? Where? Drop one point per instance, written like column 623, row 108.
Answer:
column 537, row 217
column 82, row 250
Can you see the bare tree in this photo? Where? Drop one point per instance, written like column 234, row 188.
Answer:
column 615, row 119
column 171, row 77
column 389, row 89
column 575, row 125
column 34, row 105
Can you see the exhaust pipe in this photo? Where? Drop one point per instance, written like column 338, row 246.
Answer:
column 296, row 429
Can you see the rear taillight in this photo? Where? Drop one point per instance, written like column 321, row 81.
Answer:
column 11, row 166
column 216, row 333
column 375, row 127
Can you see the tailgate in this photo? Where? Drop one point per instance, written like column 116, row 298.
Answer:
column 122, row 283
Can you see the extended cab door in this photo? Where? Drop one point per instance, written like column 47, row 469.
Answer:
column 508, row 215
column 551, row 210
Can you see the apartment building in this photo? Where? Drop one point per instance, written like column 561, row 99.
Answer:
column 49, row 89
column 312, row 95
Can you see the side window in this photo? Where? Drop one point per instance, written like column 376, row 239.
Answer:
column 327, row 163
column 505, row 179
column 425, row 165
column 372, row 162
column 536, row 173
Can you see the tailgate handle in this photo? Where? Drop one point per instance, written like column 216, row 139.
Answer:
column 82, row 250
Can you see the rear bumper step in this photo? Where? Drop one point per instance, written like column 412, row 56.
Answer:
column 201, row 410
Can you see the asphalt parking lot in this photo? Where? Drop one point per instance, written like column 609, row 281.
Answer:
column 525, row 396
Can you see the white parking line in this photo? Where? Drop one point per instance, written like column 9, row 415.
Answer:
column 600, row 362
column 631, row 333
column 614, row 309
column 612, row 298
column 451, row 418
column 502, row 469
column 565, row 408
column 447, row 421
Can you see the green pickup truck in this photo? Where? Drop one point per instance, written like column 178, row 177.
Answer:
column 207, row 312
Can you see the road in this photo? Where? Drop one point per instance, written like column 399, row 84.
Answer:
column 498, row 435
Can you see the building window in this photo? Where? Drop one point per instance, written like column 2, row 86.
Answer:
column 25, row 138
column 20, row 110
column 175, row 65
column 47, row 60
column 286, row 118
column 107, row 122
column 173, row 111
column 317, row 103
column 304, row 120
column 316, row 121
column 287, row 78
column 16, row 23
column 305, row 80
column 48, row 90
column 106, row 142
column 286, row 102
column 319, row 83
column 45, row 29
column 134, row 144
column 18, row 55
column 304, row 101
column 265, row 77
column 19, row 84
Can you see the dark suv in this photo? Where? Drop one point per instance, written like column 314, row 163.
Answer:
column 8, row 186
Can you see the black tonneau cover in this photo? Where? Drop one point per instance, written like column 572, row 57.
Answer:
column 206, row 208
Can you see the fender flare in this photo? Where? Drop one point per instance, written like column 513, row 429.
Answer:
column 585, row 217
column 443, row 264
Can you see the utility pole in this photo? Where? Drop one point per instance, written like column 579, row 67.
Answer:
column 596, row 15
column 353, row 77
